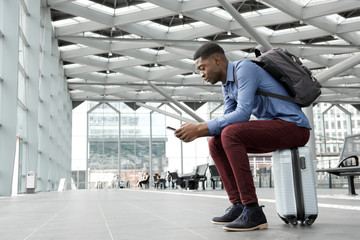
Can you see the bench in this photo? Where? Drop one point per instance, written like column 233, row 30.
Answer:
column 191, row 180
column 215, row 177
column 348, row 165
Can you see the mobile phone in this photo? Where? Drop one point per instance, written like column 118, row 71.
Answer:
column 171, row 128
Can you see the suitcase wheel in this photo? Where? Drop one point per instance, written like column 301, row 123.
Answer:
column 309, row 221
column 293, row 222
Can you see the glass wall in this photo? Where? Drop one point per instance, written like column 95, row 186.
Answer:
column 35, row 104
column 114, row 125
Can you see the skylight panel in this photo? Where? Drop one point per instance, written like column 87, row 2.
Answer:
column 268, row 11
column 154, row 25
column 92, row 34
column 69, row 21
column 193, row 25
column 134, row 8
column 98, row 58
column 187, row 60
column 293, row 30
column 120, row 59
column 153, row 51
column 129, row 36
column 285, row 31
column 338, row 56
column 312, row 2
column 351, row 20
column 75, row 80
column 102, row 8
column 69, row 47
column 219, row 12
column 95, row 6
column 251, row 14
column 236, row 39
column 75, row 65
column 181, row 27
column 335, row 18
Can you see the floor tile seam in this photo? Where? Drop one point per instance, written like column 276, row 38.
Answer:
column 46, row 222
column 169, row 221
column 106, row 222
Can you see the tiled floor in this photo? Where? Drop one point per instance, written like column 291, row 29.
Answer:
column 161, row 214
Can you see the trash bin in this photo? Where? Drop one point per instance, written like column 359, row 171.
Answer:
column 30, row 184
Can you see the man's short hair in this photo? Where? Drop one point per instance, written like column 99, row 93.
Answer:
column 208, row 49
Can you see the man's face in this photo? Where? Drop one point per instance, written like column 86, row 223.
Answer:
column 209, row 69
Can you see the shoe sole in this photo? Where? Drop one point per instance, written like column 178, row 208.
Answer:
column 261, row 226
column 220, row 223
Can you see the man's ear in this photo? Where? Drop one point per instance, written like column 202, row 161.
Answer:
column 217, row 60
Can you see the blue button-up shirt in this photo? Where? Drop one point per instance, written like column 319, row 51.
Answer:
column 241, row 101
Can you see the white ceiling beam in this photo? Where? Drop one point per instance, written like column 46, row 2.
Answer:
column 343, row 81
column 88, row 13
column 84, row 69
column 90, row 62
column 338, row 68
column 319, row 22
column 80, row 52
column 244, row 23
column 103, row 78
column 177, row 103
column 144, row 15
column 51, row 3
column 153, row 75
column 129, row 18
column 76, row 28
column 103, row 44
column 329, row 7
column 166, row 113
column 83, row 95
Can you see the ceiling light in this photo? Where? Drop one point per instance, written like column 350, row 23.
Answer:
column 181, row 16
column 228, row 33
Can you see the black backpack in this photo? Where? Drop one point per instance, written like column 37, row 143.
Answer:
column 286, row 68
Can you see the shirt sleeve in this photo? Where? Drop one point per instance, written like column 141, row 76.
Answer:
column 247, row 78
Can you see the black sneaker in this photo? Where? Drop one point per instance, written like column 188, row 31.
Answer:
column 231, row 213
column 250, row 219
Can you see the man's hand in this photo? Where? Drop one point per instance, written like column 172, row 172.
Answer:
column 190, row 131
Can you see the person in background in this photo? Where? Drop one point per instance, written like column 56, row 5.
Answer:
column 145, row 180
column 281, row 124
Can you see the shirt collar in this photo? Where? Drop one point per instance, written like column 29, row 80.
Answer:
column 229, row 73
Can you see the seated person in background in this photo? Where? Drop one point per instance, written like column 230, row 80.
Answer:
column 168, row 178
column 145, row 180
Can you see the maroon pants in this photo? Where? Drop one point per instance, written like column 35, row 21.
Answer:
column 229, row 152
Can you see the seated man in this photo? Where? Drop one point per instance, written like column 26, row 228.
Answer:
column 281, row 125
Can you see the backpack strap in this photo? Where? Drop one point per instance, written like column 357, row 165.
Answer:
column 274, row 95
column 235, row 80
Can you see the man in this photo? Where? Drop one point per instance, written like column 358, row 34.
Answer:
column 281, row 124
